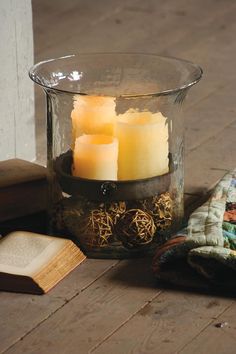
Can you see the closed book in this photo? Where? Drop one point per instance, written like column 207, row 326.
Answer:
column 23, row 189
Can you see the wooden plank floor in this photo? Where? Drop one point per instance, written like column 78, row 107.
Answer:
column 108, row 306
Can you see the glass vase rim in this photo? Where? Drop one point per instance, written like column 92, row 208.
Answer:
column 157, row 93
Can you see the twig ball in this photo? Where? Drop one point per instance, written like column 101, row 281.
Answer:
column 96, row 229
column 135, row 228
column 115, row 210
column 160, row 207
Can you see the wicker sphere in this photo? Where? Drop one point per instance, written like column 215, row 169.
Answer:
column 115, row 210
column 160, row 207
column 97, row 229
column 135, row 228
column 86, row 221
column 93, row 229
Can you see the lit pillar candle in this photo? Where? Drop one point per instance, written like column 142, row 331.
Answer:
column 92, row 115
column 143, row 145
column 96, row 157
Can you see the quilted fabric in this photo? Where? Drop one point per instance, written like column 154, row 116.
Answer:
column 204, row 254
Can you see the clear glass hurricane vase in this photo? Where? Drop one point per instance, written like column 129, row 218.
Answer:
column 115, row 142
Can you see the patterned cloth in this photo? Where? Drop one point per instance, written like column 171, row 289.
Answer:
column 203, row 255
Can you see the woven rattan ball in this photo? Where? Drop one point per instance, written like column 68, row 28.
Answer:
column 91, row 225
column 115, row 210
column 95, row 229
column 161, row 209
column 135, row 228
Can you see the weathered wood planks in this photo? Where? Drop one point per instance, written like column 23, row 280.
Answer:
column 116, row 307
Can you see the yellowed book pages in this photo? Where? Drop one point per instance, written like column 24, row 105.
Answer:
column 44, row 260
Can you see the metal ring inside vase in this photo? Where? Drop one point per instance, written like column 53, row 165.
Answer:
column 107, row 190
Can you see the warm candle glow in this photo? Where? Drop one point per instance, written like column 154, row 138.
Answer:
column 143, row 145
column 92, row 115
column 96, row 157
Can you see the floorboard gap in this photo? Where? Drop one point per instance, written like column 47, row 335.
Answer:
column 123, row 323
column 59, row 308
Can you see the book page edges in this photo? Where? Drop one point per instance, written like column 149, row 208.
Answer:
column 41, row 282
column 61, row 265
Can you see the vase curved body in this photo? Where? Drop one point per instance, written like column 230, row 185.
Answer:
column 115, row 143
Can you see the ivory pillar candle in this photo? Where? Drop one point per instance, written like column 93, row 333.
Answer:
column 96, row 157
column 143, row 145
column 92, row 115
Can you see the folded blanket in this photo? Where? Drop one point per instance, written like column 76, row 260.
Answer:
column 203, row 255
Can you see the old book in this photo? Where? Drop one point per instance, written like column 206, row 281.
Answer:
column 35, row 263
column 23, row 189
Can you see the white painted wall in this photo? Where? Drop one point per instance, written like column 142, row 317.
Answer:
column 17, row 127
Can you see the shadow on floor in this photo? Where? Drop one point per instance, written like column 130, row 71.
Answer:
column 138, row 273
